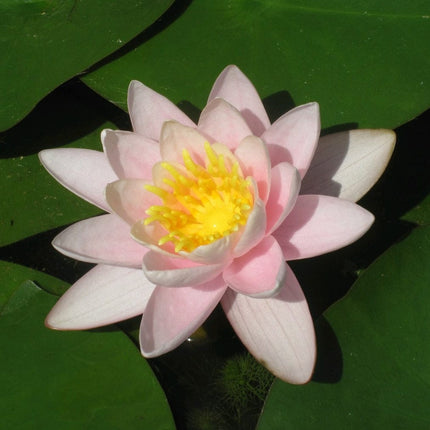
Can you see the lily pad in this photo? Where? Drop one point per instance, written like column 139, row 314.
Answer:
column 32, row 201
column 365, row 63
column 13, row 275
column 71, row 380
column 373, row 369
column 421, row 213
column 45, row 43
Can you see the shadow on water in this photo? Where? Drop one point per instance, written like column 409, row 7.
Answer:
column 329, row 365
column 277, row 104
column 36, row 252
column 69, row 113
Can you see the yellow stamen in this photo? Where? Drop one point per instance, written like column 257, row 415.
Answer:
column 203, row 204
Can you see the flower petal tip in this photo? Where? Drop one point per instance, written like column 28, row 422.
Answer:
column 231, row 67
column 134, row 84
column 311, row 106
column 106, row 134
column 297, row 372
column 46, row 156
column 277, row 331
column 388, row 138
column 49, row 324
column 56, row 321
column 301, row 377
column 367, row 220
column 149, row 350
column 348, row 163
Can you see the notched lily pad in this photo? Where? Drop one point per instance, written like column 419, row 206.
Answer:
column 45, row 43
column 379, row 372
column 71, row 380
column 365, row 63
column 13, row 275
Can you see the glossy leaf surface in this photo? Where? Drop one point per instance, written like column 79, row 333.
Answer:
column 365, row 63
column 32, row 201
column 374, row 352
column 45, row 43
column 71, row 380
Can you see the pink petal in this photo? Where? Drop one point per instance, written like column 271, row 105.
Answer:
column 259, row 273
column 277, row 331
column 130, row 154
column 321, row 224
column 177, row 272
column 254, row 160
column 223, row 123
column 284, row 190
column 82, row 171
column 254, row 229
column 217, row 252
column 129, row 199
column 104, row 239
column 294, row 137
column 105, row 295
column 173, row 314
column 149, row 110
column 176, row 137
column 348, row 164
column 149, row 236
column 234, row 87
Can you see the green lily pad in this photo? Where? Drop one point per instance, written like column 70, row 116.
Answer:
column 420, row 214
column 72, row 380
column 28, row 211
column 373, row 369
column 365, row 63
column 13, row 275
column 32, row 201
column 45, row 43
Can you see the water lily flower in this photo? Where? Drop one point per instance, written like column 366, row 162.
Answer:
column 204, row 213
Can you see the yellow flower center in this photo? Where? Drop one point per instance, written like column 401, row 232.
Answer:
column 203, row 204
